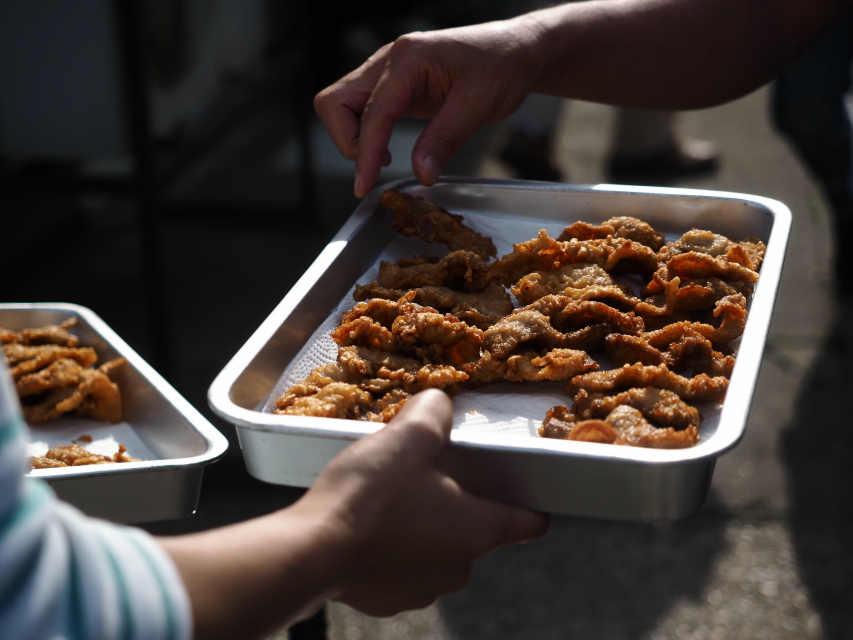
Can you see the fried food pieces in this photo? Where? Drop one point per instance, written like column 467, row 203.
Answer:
column 53, row 376
column 662, row 313
column 75, row 455
column 414, row 216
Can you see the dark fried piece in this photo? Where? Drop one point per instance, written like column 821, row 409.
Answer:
column 375, row 372
column 699, row 265
column 557, row 364
column 460, row 270
column 662, row 407
column 481, row 309
column 624, row 425
column 50, row 334
column 618, row 227
column 439, row 337
column 411, row 329
column 414, row 216
column 698, row 388
column 748, row 253
column 700, row 294
column 581, row 281
column 731, row 310
column 544, row 253
column 335, row 400
column 696, row 352
column 62, row 372
column 630, row 257
column 93, row 396
column 24, row 359
column 558, row 322
column 622, row 349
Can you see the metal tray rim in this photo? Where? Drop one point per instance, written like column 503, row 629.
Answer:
column 738, row 398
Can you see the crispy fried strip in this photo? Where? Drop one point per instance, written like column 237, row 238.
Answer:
column 414, row 216
column 699, row 388
column 460, row 270
column 662, row 407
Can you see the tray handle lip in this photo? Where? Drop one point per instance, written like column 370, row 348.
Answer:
column 221, row 404
column 217, row 443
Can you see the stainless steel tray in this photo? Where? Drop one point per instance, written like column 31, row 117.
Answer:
column 573, row 478
column 163, row 487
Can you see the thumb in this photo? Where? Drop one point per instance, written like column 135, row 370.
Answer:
column 423, row 425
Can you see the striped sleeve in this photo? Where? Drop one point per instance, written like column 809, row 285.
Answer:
column 66, row 575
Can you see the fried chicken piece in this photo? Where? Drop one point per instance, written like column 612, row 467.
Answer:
column 439, row 337
column 700, row 294
column 732, row 313
column 689, row 350
column 558, row 322
column 581, row 281
column 388, row 406
column 696, row 352
column 748, row 253
column 50, row 334
column 624, row 425
column 414, row 216
column 618, row 227
column 94, row 396
column 373, row 371
column 23, row 359
column 414, row 330
column 557, row 364
column 460, row 270
column 481, row 309
column 694, row 265
column 410, row 374
column 623, row 349
column 544, row 253
column 62, row 372
column 662, row 407
column 698, row 388
column 335, row 400
column 366, row 332
column 630, row 257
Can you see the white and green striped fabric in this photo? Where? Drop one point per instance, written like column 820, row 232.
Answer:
column 64, row 575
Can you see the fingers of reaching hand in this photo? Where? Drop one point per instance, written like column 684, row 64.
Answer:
column 340, row 106
column 405, row 79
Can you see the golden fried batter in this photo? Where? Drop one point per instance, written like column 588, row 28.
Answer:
column 414, row 216
column 24, row 359
column 662, row 407
column 481, row 309
column 699, row 388
column 50, row 334
column 460, row 270
column 557, row 364
column 748, row 253
column 618, row 227
column 581, row 281
column 91, row 395
column 74, row 456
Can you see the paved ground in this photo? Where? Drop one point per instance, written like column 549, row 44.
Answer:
column 768, row 556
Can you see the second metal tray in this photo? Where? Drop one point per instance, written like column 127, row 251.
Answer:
column 157, row 417
column 574, row 478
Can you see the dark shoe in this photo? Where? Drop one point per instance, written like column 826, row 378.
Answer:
column 530, row 158
column 685, row 158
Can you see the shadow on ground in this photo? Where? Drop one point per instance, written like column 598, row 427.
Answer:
column 818, row 450
column 605, row 580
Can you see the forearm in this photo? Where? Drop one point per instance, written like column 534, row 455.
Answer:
column 252, row 578
column 671, row 54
